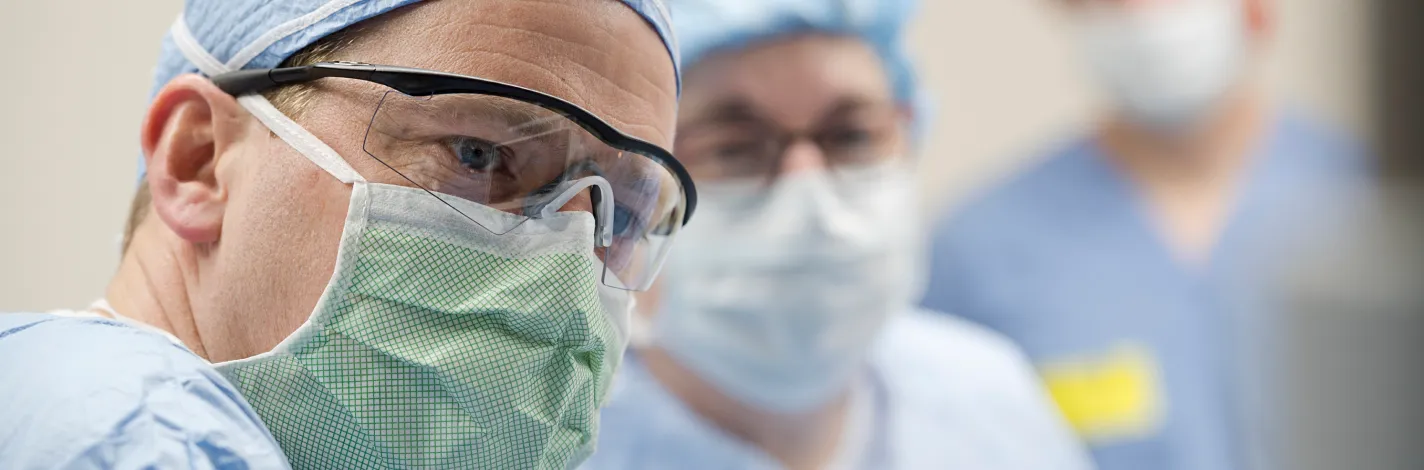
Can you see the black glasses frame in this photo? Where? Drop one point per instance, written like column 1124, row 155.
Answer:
column 421, row 82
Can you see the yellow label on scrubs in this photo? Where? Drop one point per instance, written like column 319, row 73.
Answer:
column 1109, row 397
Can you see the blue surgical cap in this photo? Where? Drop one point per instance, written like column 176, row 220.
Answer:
column 707, row 26
column 226, row 35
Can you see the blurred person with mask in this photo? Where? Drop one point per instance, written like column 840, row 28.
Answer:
column 1128, row 263
column 331, row 264
column 784, row 333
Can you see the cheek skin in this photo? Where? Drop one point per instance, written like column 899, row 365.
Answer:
column 277, row 252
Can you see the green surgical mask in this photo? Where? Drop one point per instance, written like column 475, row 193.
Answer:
column 439, row 344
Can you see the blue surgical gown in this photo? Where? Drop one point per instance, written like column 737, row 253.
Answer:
column 93, row 393
column 942, row 393
column 1159, row 365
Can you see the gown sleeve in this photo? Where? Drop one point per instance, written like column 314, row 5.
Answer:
column 92, row 393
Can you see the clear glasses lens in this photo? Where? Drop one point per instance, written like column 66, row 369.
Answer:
column 519, row 158
column 748, row 147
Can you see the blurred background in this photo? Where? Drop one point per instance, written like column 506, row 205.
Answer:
column 1008, row 84
column 1005, row 86
column 1004, row 82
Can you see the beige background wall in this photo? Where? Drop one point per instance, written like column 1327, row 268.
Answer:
column 1008, row 85
column 1002, row 74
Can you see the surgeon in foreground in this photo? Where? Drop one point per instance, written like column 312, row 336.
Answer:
column 421, row 263
column 783, row 334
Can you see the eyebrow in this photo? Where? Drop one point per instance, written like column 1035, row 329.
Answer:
column 739, row 111
column 527, row 120
column 849, row 104
column 729, row 111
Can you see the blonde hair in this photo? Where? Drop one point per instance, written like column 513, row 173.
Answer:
column 291, row 100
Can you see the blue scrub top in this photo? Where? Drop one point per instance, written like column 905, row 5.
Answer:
column 94, row 393
column 1156, row 364
column 941, row 393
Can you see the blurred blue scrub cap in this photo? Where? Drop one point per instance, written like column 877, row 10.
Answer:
column 226, row 35
column 707, row 26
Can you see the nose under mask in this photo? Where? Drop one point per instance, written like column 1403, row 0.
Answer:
column 775, row 294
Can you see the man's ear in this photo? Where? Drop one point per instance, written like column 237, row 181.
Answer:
column 189, row 126
column 907, row 114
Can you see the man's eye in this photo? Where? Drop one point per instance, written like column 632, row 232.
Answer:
column 477, row 155
column 738, row 150
column 626, row 223
column 848, row 138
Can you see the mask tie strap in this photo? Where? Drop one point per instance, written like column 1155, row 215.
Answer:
column 284, row 127
column 300, row 139
column 285, row 30
column 193, row 50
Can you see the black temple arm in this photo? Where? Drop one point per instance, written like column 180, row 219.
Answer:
column 242, row 82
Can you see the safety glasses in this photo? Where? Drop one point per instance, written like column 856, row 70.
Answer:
column 736, row 144
column 517, row 150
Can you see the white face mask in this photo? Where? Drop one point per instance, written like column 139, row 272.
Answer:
column 774, row 295
column 438, row 343
column 1165, row 64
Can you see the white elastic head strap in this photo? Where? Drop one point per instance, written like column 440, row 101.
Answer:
column 603, row 214
column 281, row 125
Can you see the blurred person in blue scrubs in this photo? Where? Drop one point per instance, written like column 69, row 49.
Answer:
column 784, row 332
column 424, row 263
column 1128, row 262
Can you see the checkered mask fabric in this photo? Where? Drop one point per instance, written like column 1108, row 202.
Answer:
column 438, row 346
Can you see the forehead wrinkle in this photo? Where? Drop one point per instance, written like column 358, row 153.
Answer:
column 604, row 22
column 517, row 29
column 647, row 106
column 638, row 99
column 662, row 93
column 605, row 83
column 630, row 129
column 570, row 93
column 647, row 78
column 625, row 41
column 566, row 92
column 528, row 43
